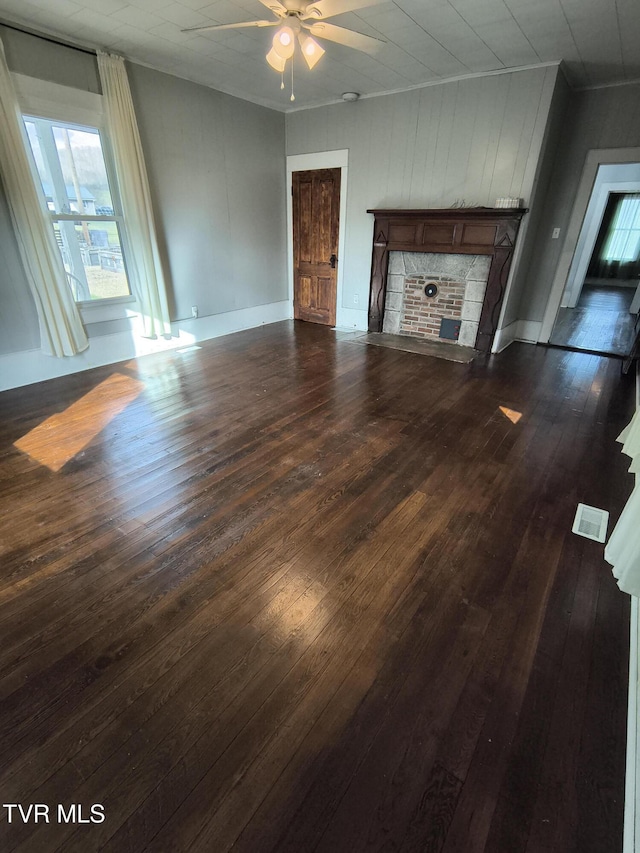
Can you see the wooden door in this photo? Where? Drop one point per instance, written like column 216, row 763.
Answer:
column 316, row 210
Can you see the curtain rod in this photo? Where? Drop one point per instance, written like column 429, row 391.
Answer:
column 50, row 39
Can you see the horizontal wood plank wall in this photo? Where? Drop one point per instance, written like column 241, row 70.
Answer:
column 290, row 592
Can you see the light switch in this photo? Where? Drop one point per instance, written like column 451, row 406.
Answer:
column 555, row 233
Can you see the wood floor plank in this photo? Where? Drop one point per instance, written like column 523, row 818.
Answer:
column 300, row 595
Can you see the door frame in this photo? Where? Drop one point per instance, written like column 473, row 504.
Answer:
column 595, row 158
column 589, row 235
column 305, row 163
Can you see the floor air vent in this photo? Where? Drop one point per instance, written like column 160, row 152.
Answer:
column 591, row 522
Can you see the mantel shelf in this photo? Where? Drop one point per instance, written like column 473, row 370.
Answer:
column 452, row 212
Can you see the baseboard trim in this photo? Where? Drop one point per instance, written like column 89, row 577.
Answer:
column 352, row 318
column 527, row 331
column 28, row 366
column 504, row 337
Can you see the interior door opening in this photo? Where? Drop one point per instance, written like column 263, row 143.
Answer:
column 601, row 299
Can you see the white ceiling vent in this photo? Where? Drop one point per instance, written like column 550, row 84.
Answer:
column 591, row 522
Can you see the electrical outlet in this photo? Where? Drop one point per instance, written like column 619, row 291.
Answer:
column 356, row 299
column 555, row 233
column 194, row 312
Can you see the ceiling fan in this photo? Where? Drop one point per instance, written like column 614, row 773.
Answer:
column 299, row 21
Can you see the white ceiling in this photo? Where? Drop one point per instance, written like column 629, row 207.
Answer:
column 427, row 40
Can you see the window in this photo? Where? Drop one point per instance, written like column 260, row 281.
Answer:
column 623, row 242
column 84, row 207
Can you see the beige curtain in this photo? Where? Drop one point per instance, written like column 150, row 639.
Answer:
column 145, row 266
column 61, row 330
column 623, row 547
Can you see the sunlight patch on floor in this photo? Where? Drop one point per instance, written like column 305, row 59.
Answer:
column 514, row 417
column 62, row 436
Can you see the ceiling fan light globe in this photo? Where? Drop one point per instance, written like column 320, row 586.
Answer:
column 276, row 61
column 283, row 43
column 311, row 51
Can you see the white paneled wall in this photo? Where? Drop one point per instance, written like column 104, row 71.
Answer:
column 471, row 140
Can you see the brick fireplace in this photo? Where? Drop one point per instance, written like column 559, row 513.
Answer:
column 425, row 288
column 465, row 252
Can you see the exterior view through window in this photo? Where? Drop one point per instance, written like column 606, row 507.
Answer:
column 623, row 243
column 84, row 210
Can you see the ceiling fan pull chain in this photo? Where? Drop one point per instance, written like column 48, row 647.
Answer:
column 282, row 78
column 293, row 97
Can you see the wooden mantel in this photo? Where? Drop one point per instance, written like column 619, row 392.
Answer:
column 463, row 230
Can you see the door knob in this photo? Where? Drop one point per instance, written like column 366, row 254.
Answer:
column 333, row 260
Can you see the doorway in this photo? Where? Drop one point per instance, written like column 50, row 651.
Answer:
column 316, row 220
column 601, row 296
column 349, row 314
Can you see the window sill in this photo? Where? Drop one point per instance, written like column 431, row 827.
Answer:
column 120, row 307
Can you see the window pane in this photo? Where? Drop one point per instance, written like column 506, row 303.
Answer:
column 623, row 242
column 84, row 171
column 71, row 166
column 72, row 170
column 92, row 256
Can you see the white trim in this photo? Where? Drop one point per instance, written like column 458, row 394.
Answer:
column 526, row 331
column 473, row 75
column 338, row 159
column 25, row 367
column 352, row 319
column 588, row 236
column 515, row 263
column 504, row 337
column 615, row 85
column 595, row 158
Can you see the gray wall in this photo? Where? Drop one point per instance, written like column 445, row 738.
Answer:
column 535, row 225
column 217, row 173
column 602, row 118
column 18, row 319
column 473, row 140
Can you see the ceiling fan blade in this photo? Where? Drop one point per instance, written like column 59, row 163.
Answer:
column 329, row 8
column 232, row 26
column 349, row 38
column 276, row 7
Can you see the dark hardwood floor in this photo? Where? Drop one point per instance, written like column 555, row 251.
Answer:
column 289, row 593
column 600, row 322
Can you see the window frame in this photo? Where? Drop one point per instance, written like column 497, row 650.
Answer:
column 81, row 110
column 627, row 231
column 78, row 218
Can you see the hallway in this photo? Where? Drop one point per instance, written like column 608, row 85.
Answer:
column 600, row 322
